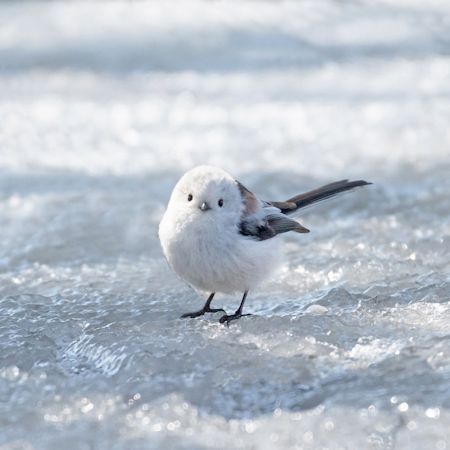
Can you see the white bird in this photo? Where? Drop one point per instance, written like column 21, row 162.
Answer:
column 219, row 237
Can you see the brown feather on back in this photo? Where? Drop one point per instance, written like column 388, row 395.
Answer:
column 251, row 203
column 284, row 206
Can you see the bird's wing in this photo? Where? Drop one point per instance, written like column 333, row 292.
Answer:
column 281, row 224
column 263, row 220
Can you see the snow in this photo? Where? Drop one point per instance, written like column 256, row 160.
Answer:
column 104, row 105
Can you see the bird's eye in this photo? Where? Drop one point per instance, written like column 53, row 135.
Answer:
column 220, row 202
column 190, row 198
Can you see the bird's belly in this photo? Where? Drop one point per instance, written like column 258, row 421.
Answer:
column 225, row 263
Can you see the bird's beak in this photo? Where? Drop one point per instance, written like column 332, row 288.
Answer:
column 204, row 206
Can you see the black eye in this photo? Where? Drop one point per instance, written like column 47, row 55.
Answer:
column 190, row 198
column 220, row 202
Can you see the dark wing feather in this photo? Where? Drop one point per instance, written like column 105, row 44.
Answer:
column 281, row 224
column 253, row 222
column 260, row 232
column 272, row 225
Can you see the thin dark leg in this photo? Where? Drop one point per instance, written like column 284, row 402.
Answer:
column 204, row 310
column 237, row 315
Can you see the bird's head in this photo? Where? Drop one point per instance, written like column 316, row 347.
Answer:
column 207, row 194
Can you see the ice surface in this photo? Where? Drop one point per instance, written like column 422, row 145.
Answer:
column 103, row 105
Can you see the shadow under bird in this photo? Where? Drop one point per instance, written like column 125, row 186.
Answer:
column 219, row 237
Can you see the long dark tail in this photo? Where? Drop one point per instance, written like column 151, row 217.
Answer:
column 318, row 195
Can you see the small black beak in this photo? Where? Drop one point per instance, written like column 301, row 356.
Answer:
column 204, row 206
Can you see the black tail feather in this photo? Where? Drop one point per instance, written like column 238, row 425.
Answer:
column 320, row 194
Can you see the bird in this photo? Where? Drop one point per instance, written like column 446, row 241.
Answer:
column 218, row 236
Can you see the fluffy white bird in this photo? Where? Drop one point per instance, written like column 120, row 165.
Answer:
column 219, row 237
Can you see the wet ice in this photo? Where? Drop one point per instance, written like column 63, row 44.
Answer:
column 348, row 346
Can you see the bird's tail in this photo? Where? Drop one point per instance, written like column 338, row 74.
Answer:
column 317, row 195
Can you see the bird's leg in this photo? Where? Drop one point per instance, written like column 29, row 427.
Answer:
column 238, row 314
column 204, row 310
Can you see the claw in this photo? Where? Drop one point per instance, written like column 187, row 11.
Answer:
column 214, row 310
column 201, row 312
column 227, row 319
column 192, row 315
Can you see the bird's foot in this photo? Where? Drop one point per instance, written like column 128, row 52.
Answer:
column 226, row 319
column 201, row 312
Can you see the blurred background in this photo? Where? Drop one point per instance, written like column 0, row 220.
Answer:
column 105, row 104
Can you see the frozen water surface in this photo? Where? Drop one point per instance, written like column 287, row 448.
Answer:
column 103, row 105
